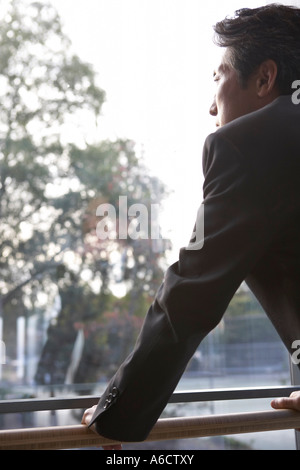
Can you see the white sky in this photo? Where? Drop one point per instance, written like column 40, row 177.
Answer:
column 155, row 60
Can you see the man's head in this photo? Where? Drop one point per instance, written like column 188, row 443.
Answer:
column 260, row 62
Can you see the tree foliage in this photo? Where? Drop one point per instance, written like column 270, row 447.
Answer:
column 51, row 183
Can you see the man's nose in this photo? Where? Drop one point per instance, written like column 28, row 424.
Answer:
column 213, row 110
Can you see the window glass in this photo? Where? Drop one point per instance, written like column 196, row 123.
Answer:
column 244, row 351
column 103, row 116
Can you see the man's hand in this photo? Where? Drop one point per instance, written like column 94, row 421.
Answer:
column 87, row 416
column 86, row 419
column 291, row 402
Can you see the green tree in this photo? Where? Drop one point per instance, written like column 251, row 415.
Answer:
column 44, row 86
column 51, row 183
column 107, row 170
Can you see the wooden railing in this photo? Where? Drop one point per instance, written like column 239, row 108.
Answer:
column 79, row 436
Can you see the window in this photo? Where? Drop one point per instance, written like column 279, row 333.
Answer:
column 98, row 140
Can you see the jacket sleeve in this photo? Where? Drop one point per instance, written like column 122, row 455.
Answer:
column 193, row 296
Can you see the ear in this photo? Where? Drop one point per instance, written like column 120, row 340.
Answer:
column 266, row 78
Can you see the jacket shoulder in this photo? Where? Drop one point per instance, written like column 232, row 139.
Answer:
column 262, row 134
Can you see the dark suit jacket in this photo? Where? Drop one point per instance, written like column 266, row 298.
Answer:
column 251, row 232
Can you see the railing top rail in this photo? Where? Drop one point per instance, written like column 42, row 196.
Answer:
column 172, row 428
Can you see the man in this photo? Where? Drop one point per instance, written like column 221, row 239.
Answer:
column 251, row 207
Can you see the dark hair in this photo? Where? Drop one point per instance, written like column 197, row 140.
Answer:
column 255, row 35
